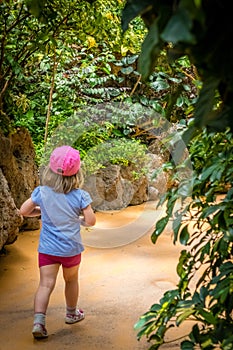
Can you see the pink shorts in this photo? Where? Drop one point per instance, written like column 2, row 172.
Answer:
column 65, row 261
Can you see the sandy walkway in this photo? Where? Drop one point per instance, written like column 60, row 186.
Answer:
column 117, row 285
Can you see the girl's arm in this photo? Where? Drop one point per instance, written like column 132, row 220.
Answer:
column 89, row 216
column 30, row 209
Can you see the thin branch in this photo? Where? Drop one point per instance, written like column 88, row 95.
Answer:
column 135, row 86
column 173, row 340
column 18, row 20
column 55, row 63
column 5, row 87
column 2, row 54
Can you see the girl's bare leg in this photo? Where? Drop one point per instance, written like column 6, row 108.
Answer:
column 71, row 285
column 48, row 276
column 73, row 314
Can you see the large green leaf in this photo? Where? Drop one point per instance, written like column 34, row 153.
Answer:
column 207, row 172
column 184, row 256
column 144, row 320
column 36, row 7
column 208, row 317
column 210, row 210
column 184, row 315
column 160, row 226
column 178, row 28
column 204, row 107
column 184, row 235
column 160, row 84
column 187, row 345
column 133, row 9
column 150, row 51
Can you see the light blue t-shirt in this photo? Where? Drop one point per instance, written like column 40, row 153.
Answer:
column 60, row 231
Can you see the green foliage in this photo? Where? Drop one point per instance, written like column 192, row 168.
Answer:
column 89, row 69
column 92, row 22
column 204, row 225
column 30, row 46
column 177, row 87
column 83, row 78
column 104, row 135
column 189, row 28
column 122, row 152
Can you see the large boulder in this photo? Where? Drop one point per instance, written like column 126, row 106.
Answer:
column 109, row 189
column 10, row 220
column 158, row 183
column 19, row 177
column 116, row 186
column 138, row 184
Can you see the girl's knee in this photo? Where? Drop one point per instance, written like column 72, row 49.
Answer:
column 49, row 284
column 70, row 274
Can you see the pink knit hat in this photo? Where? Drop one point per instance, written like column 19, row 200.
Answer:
column 65, row 161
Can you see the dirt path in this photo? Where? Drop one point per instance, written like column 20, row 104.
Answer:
column 117, row 285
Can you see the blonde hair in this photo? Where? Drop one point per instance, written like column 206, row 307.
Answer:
column 59, row 183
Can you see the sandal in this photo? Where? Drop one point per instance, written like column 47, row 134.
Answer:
column 73, row 318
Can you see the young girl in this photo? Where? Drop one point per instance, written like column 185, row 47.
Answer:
column 60, row 203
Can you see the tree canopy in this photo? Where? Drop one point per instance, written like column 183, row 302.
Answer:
column 32, row 30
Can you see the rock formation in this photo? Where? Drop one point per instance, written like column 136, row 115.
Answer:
column 116, row 186
column 18, row 177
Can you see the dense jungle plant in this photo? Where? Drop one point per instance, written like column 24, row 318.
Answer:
column 120, row 152
column 91, row 81
column 189, row 28
column 31, row 47
column 203, row 224
column 84, row 70
column 108, row 135
column 87, row 71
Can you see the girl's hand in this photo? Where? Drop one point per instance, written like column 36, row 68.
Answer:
column 89, row 217
column 82, row 222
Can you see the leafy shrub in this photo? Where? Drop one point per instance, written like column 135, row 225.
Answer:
column 102, row 134
column 122, row 152
column 203, row 225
